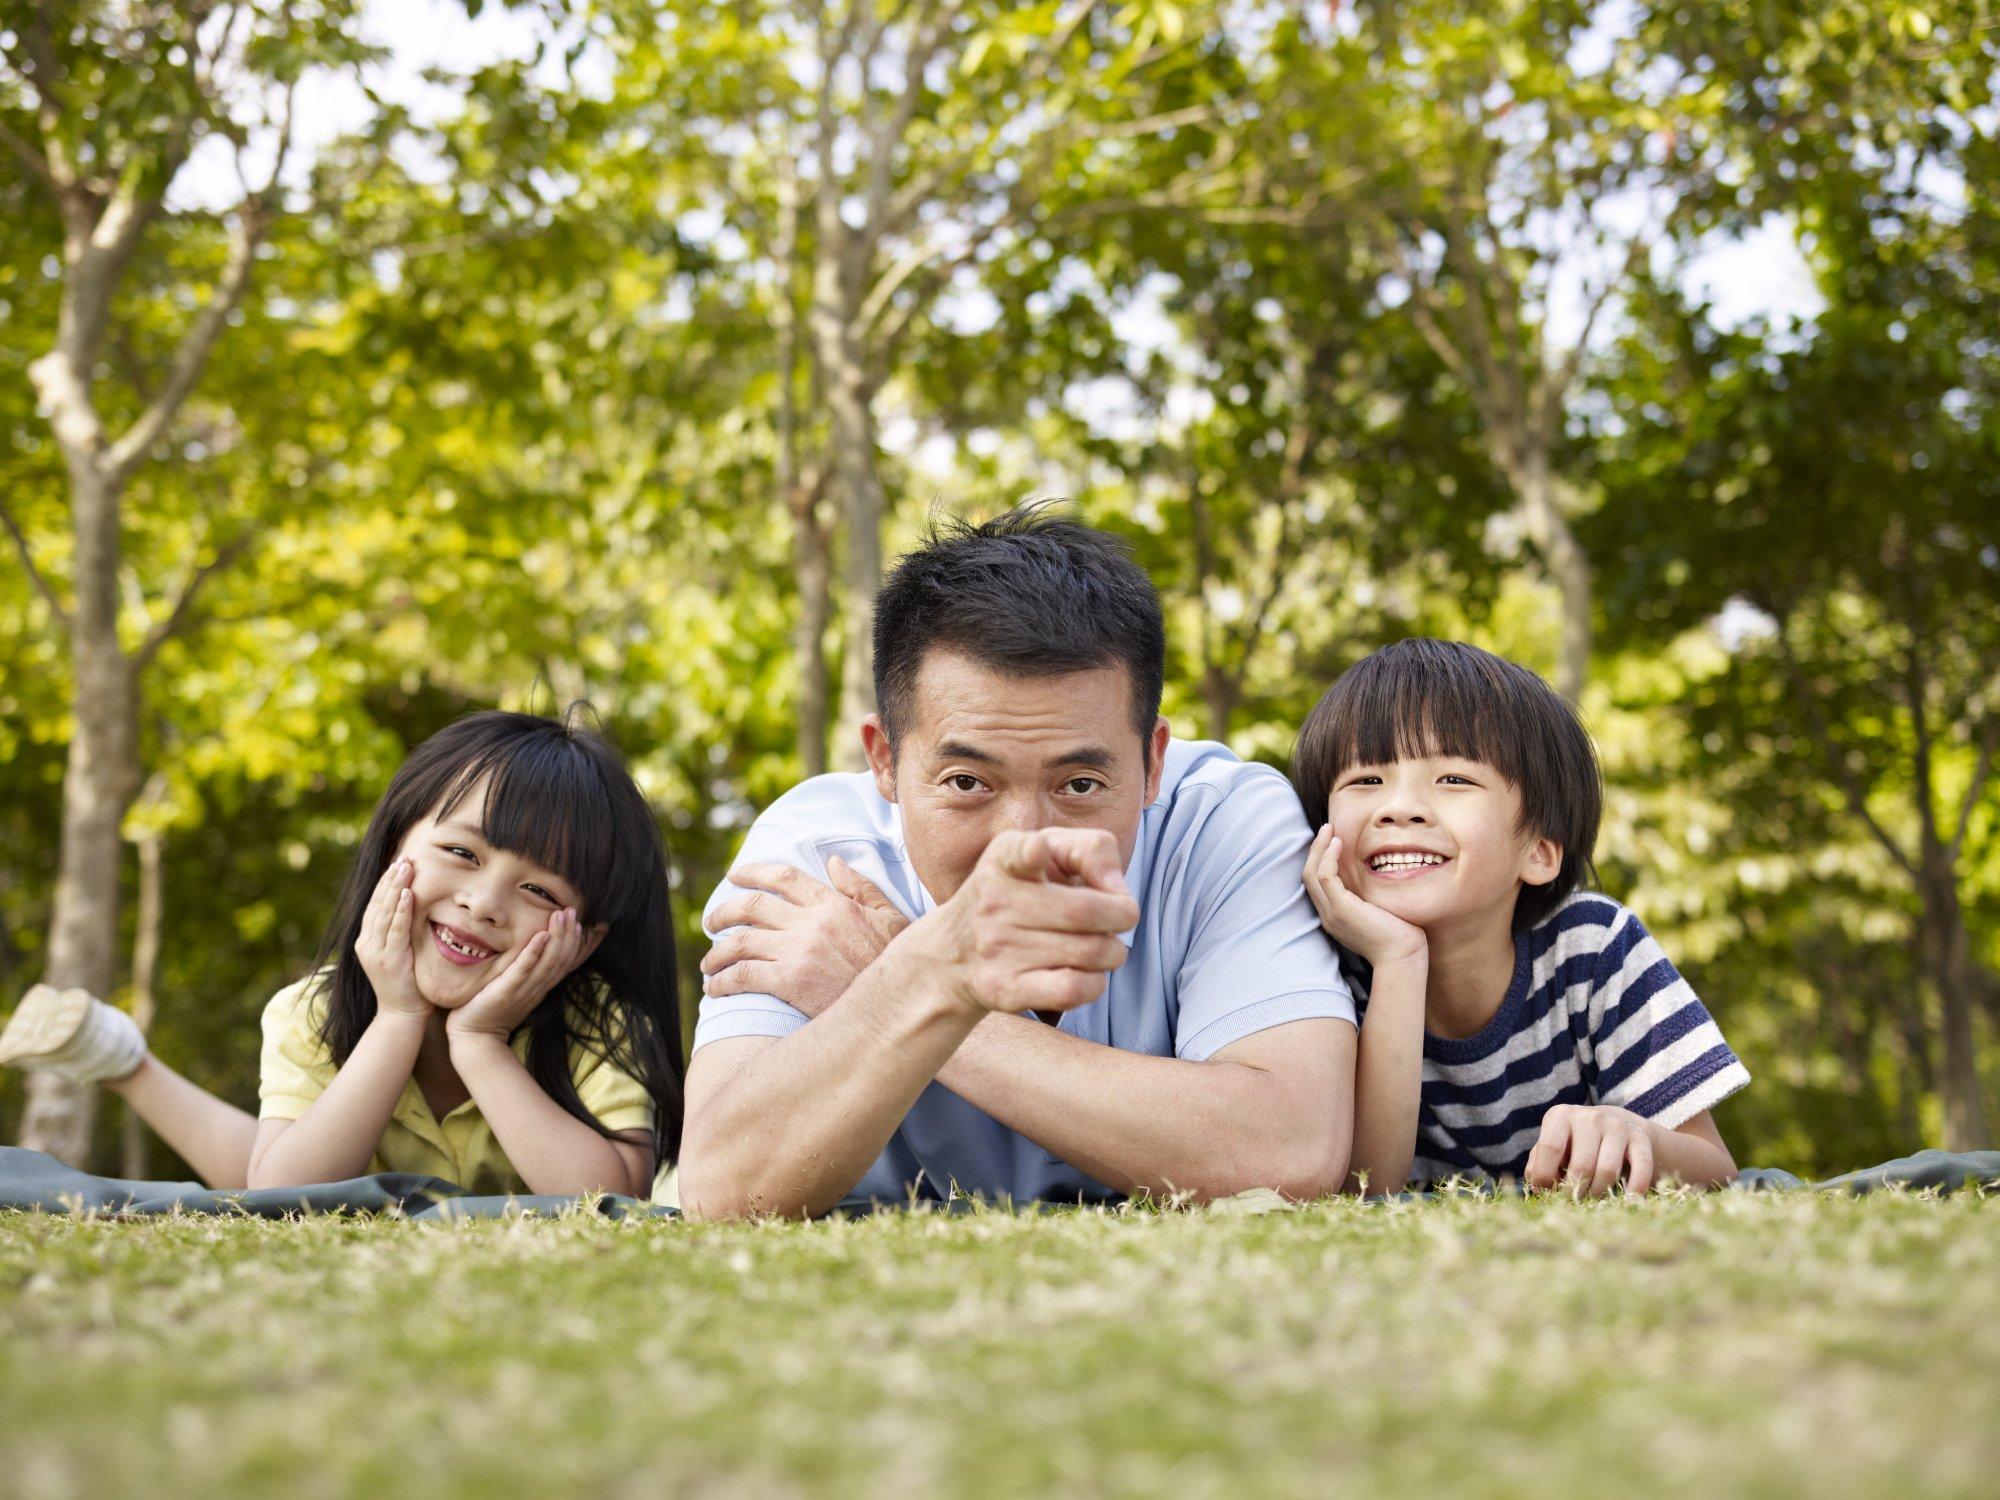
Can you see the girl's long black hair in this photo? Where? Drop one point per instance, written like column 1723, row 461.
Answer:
column 559, row 795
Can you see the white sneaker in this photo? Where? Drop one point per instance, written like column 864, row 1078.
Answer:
column 73, row 1034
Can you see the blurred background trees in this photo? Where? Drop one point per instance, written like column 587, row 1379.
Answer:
column 362, row 364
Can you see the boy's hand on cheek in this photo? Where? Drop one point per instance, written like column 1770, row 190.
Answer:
column 1587, row 1148
column 511, row 996
column 1380, row 937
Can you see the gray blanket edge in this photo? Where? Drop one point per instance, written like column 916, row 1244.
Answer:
column 37, row 1183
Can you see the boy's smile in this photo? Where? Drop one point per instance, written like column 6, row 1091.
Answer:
column 1404, row 862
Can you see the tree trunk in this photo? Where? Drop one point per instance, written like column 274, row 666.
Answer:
column 1947, row 962
column 100, row 779
column 1221, row 692
column 850, row 395
column 145, row 966
column 1567, row 567
column 812, row 570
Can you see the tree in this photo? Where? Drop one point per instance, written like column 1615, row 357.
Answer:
column 1508, row 168
column 104, row 109
column 880, row 154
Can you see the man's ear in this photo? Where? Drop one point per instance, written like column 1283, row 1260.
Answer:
column 881, row 755
column 1542, row 861
column 1156, row 758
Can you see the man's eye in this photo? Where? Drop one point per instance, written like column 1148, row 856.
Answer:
column 964, row 783
column 1083, row 786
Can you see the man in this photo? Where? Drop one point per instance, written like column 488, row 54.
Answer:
column 1025, row 829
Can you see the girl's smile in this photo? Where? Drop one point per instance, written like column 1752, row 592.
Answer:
column 459, row 947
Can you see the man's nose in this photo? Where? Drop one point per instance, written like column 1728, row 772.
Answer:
column 1025, row 814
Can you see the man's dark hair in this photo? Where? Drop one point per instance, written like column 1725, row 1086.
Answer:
column 1429, row 697
column 1027, row 593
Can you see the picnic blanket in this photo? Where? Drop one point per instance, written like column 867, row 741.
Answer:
column 30, row 1180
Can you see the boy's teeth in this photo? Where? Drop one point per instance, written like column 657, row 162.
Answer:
column 1403, row 861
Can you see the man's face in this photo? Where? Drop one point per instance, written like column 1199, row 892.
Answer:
column 984, row 752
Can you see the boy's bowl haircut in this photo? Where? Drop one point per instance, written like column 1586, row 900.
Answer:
column 1424, row 696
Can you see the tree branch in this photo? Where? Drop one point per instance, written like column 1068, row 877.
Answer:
column 36, row 163
column 35, row 574
column 177, row 618
column 1980, row 772
column 1850, row 785
column 191, row 356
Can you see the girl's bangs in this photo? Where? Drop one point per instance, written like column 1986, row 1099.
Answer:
column 546, row 801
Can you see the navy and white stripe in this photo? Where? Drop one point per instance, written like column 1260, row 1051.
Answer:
column 1596, row 1014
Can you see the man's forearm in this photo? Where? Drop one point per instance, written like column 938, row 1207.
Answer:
column 806, row 1117
column 1136, row 1122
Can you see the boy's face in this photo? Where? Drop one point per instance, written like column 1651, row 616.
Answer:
column 1437, row 841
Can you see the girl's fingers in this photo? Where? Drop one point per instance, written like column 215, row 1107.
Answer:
column 397, row 938
column 382, row 904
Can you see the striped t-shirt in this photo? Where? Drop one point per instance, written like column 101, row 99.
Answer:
column 1596, row 1014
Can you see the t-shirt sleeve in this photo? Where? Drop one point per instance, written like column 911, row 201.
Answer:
column 1256, row 956
column 294, row 1067
column 617, row 1100
column 1657, row 1050
column 724, row 1016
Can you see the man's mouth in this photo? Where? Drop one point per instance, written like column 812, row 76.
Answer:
column 458, row 947
column 1404, row 864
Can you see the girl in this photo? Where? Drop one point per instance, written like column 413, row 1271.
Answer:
column 493, row 1003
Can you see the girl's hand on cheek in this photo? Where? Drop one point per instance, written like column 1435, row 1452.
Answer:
column 383, row 945
column 1378, row 936
column 511, row 996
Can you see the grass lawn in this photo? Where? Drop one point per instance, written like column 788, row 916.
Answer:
column 1785, row 1344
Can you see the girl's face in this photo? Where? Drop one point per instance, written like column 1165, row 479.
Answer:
column 1437, row 841
column 475, row 905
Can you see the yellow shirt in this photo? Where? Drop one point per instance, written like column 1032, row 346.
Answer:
column 461, row 1148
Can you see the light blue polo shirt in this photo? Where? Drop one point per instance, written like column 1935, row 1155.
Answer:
column 1227, row 945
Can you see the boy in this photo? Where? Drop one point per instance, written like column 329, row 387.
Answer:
column 1513, row 1025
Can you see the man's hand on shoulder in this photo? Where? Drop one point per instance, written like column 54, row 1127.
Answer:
column 1036, row 924
column 791, row 936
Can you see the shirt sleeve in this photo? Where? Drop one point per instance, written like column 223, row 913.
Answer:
column 294, row 1067
column 724, row 1016
column 617, row 1100
column 1657, row 1050
column 1257, row 957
